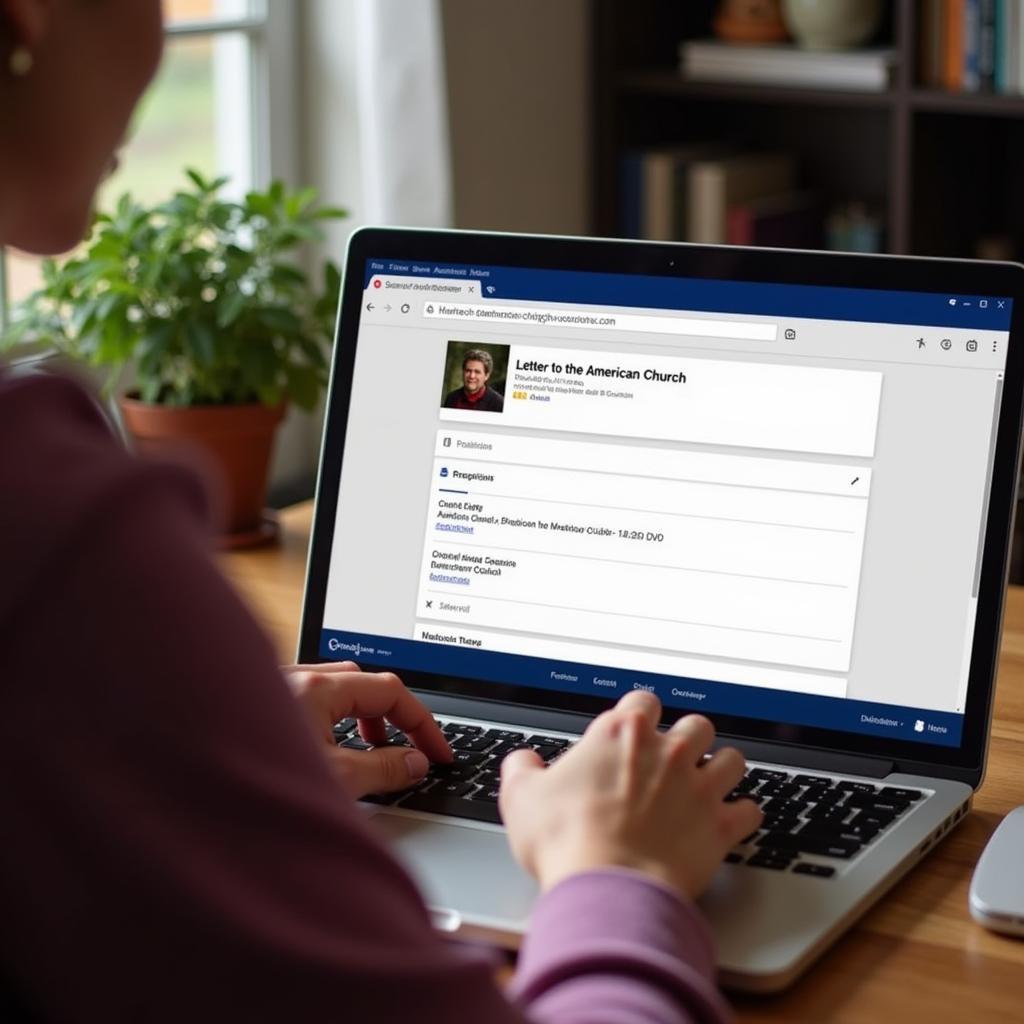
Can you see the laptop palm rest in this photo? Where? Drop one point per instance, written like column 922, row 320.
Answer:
column 466, row 874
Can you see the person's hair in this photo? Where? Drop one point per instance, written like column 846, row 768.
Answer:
column 480, row 356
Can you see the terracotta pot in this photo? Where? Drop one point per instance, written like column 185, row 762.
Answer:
column 235, row 443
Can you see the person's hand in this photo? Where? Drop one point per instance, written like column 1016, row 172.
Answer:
column 337, row 690
column 628, row 796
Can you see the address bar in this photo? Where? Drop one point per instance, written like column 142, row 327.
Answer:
column 433, row 310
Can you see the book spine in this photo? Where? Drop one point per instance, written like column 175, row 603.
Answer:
column 987, row 45
column 971, row 80
column 706, row 204
column 1017, row 43
column 1000, row 42
column 739, row 228
column 954, row 39
column 630, row 198
column 657, row 197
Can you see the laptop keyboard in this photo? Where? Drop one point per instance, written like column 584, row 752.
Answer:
column 809, row 820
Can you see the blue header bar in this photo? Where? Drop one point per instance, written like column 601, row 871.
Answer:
column 815, row 302
column 844, row 714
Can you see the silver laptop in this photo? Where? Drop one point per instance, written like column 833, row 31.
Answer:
column 773, row 487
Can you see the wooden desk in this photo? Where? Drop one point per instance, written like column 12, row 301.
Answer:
column 917, row 955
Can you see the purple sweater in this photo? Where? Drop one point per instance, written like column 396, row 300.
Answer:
column 174, row 846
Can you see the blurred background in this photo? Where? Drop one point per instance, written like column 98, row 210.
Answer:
column 706, row 120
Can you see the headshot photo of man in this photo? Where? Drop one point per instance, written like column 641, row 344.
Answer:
column 476, row 393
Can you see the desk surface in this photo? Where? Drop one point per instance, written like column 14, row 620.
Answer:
column 917, row 955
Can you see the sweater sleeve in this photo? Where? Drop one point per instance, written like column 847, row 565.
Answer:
column 613, row 945
column 176, row 846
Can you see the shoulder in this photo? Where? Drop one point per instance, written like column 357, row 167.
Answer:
column 64, row 465
column 451, row 398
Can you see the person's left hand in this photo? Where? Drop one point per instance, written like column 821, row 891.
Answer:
column 337, row 690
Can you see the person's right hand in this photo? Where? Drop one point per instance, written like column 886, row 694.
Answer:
column 628, row 796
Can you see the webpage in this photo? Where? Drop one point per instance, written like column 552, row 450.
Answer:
column 730, row 499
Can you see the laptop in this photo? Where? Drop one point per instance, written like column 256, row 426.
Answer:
column 773, row 487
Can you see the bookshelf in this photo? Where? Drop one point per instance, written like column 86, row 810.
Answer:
column 944, row 167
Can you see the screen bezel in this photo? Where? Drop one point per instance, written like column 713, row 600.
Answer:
column 901, row 273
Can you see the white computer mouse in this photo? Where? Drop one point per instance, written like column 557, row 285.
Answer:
column 997, row 888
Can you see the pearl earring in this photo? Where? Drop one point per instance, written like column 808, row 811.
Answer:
column 20, row 61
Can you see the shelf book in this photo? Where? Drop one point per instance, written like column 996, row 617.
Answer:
column 972, row 46
column 708, row 60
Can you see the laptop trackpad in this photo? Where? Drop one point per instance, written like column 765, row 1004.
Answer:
column 468, row 870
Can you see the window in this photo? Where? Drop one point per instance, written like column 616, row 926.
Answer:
column 222, row 102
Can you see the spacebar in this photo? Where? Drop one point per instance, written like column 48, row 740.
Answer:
column 477, row 810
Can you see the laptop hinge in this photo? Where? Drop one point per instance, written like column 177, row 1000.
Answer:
column 805, row 757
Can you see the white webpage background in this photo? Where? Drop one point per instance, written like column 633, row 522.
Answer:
column 922, row 534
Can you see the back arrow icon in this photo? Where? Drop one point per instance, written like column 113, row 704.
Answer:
column 370, row 307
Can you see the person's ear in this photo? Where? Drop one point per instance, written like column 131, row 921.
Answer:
column 25, row 21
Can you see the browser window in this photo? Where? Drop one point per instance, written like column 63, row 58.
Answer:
column 735, row 495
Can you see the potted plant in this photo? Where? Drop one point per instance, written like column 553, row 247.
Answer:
column 201, row 301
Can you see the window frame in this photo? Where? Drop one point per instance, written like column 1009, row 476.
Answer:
column 272, row 32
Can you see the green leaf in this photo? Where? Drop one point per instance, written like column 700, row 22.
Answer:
column 276, row 318
column 329, row 213
column 202, row 341
column 258, row 203
column 229, row 308
column 303, row 386
column 197, row 179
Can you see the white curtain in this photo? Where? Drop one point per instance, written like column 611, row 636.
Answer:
column 403, row 113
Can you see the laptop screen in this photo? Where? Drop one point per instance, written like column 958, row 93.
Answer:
column 754, row 499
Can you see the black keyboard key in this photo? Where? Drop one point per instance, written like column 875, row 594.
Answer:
column 548, row 753
column 469, row 757
column 817, row 870
column 827, row 797
column 886, row 806
column 506, row 734
column 766, row 774
column 438, row 803
column 799, row 843
column 779, row 789
column 856, row 833
column 547, row 741
column 766, row 860
column 827, row 813
column 474, row 743
column 451, row 772
column 355, row 743
column 733, row 858
column 787, row 808
column 739, row 794
column 487, row 793
column 452, row 787
column 863, row 820
column 856, row 787
column 506, row 747
column 489, row 778
column 895, row 793
column 344, row 727
column 781, row 824
column 745, row 785
column 813, row 780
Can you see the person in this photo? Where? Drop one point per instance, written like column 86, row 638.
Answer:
column 180, row 836
column 476, row 394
